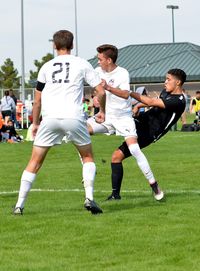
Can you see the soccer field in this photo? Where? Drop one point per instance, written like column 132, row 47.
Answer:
column 136, row 233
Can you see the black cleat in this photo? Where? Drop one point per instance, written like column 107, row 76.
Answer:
column 18, row 211
column 91, row 206
column 114, row 197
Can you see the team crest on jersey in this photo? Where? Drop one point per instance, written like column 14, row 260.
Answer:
column 111, row 82
column 181, row 98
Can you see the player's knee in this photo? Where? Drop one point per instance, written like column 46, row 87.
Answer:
column 134, row 149
column 117, row 156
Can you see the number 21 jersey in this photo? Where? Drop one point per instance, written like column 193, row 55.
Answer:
column 64, row 76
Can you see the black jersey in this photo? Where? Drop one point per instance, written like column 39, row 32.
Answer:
column 156, row 122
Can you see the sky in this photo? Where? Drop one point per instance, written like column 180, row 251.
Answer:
column 117, row 22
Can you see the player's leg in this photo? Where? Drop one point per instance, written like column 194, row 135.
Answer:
column 29, row 175
column 117, row 173
column 144, row 166
column 88, row 170
column 48, row 135
column 80, row 137
column 126, row 127
column 88, row 173
column 96, row 128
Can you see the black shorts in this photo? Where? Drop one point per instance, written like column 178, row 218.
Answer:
column 144, row 139
column 6, row 113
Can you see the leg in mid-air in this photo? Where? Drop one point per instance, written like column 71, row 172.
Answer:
column 88, row 172
column 29, row 176
column 117, row 169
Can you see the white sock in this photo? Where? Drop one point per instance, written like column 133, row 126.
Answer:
column 26, row 183
column 142, row 162
column 89, row 172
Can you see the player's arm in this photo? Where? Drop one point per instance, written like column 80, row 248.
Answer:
column 37, row 107
column 101, row 96
column 37, row 103
column 148, row 100
column 192, row 104
column 116, row 91
column 136, row 108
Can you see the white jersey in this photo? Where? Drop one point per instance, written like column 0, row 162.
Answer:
column 64, row 76
column 115, row 106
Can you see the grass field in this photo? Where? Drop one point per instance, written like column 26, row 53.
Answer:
column 136, row 233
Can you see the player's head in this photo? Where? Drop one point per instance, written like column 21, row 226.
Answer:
column 63, row 40
column 175, row 78
column 179, row 74
column 198, row 94
column 107, row 55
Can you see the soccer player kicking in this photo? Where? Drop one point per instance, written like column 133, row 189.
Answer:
column 59, row 96
column 119, row 109
column 151, row 125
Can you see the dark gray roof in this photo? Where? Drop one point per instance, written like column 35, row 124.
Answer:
column 148, row 63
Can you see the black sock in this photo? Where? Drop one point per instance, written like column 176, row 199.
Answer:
column 116, row 176
column 154, row 187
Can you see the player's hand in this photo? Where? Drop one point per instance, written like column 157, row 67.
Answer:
column 34, row 130
column 100, row 117
column 104, row 84
column 135, row 111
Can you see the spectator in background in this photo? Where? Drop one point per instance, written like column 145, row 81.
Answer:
column 195, row 106
column 183, row 116
column 13, row 113
column 188, row 100
column 9, row 133
column 1, row 125
column 141, row 91
column 86, row 107
column 7, row 106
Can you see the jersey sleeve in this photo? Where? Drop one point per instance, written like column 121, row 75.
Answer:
column 125, row 81
column 91, row 76
column 193, row 102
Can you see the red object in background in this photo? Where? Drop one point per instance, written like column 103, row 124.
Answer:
column 19, row 110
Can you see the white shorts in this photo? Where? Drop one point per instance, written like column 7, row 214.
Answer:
column 52, row 131
column 124, row 126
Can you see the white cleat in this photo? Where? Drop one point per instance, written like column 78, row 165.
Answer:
column 159, row 195
column 18, row 211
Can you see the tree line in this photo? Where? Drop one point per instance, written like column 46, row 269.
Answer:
column 10, row 78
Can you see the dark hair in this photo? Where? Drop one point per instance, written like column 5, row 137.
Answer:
column 63, row 39
column 6, row 93
column 110, row 51
column 198, row 92
column 179, row 74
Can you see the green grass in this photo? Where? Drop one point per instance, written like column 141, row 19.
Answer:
column 136, row 233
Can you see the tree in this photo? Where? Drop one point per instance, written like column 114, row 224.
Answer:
column 9, row 75
column 38, row 64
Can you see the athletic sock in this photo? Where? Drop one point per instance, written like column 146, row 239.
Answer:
column 116, row 177
column 26, row 183
column 142, row 162
column 154, row 187
column 89, row 171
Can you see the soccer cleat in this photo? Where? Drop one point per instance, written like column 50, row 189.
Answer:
column 159, row 195
column 157, row 192
column 91, row 206
column 114, row 197
column 18, row 211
